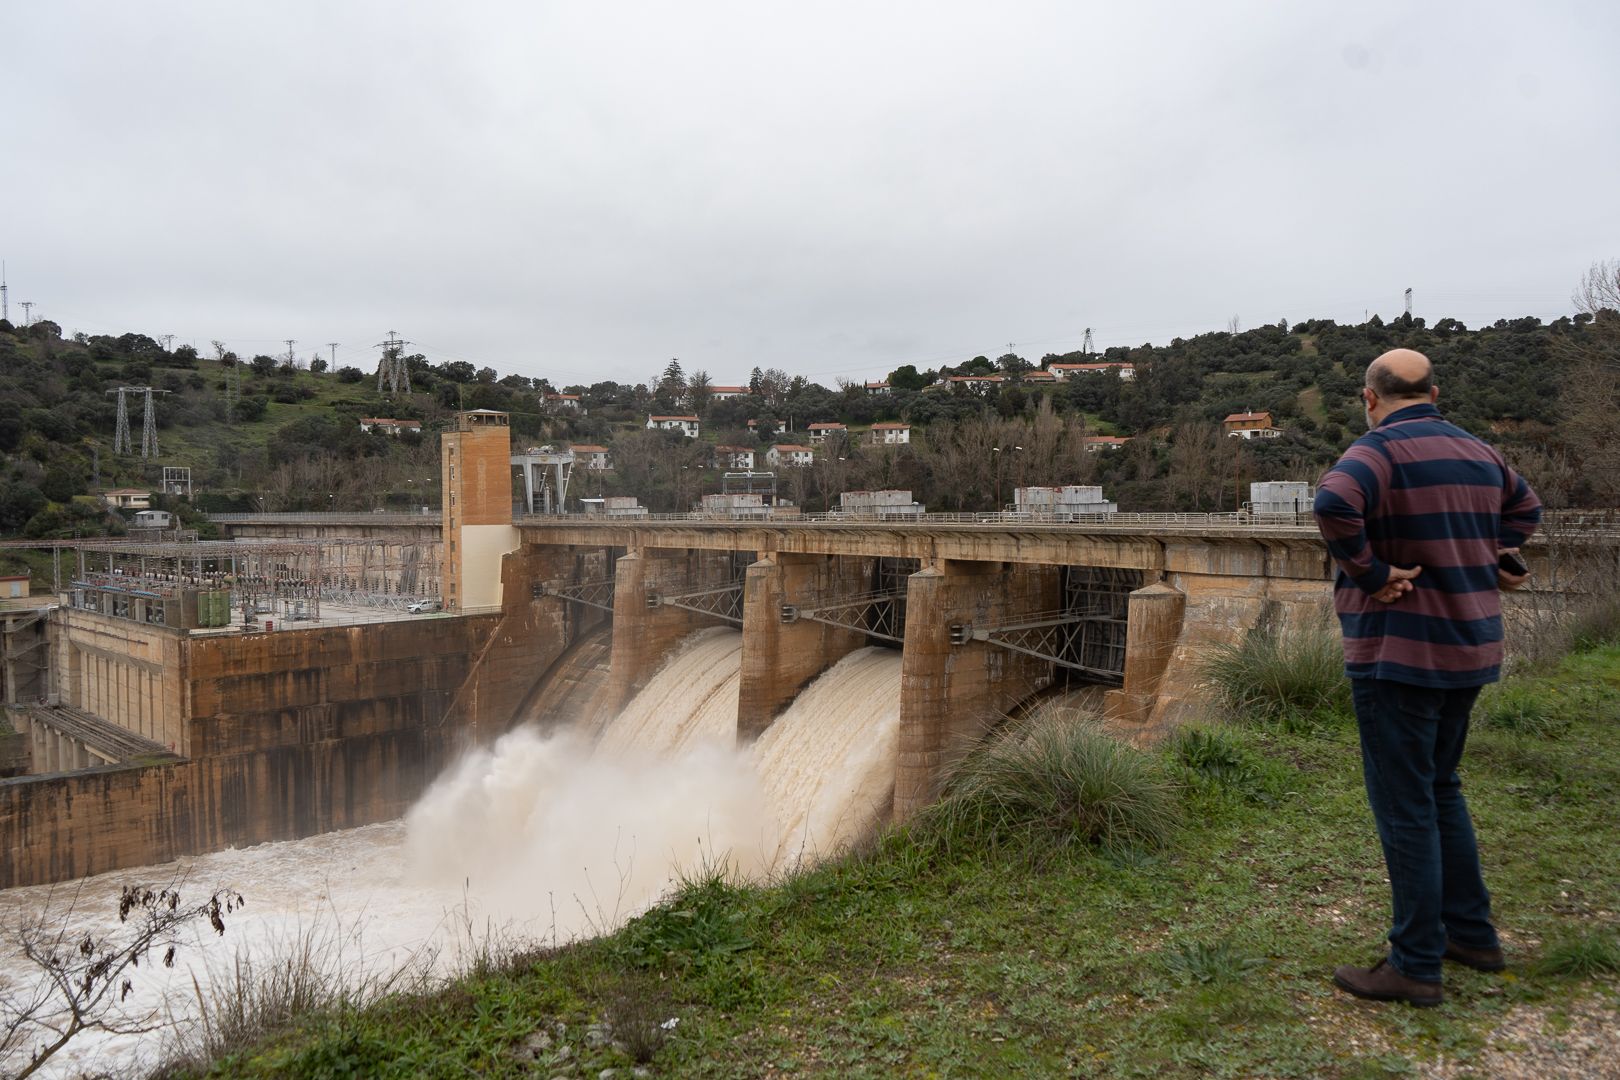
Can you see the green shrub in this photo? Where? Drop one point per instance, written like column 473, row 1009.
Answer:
column 1050, row 783
column 1293, row 679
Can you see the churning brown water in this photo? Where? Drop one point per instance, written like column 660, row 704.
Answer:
column 549, row 837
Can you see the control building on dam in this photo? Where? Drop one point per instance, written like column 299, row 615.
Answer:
column 149, row 735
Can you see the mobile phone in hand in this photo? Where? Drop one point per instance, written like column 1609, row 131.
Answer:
column 1509, row 562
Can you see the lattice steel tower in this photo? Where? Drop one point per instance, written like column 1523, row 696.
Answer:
column 393, row 377
column 122, row 443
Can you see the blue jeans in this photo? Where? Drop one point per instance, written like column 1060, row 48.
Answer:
column 1411, row 740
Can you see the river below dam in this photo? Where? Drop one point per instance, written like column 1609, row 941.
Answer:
column 541, row 838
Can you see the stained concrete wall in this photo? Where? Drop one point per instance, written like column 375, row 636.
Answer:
column 644, row 636
column 291, row 734
column 533, row 631
column 950, row 695
column 130, row 673
column 779, row 660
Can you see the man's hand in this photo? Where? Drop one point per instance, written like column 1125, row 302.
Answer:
column 1398, row 585
column 1505, row 581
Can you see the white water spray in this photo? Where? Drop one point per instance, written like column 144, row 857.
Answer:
column 542, row 837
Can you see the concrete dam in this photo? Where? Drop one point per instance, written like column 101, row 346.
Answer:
column 890, row 646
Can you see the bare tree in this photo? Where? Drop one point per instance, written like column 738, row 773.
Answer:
column 83, row 982
column 1196, row 462
column 1591, row 390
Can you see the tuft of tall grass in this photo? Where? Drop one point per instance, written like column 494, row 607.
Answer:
column 1524, row 707
column 1291, row 678
column 1583, row 955
column 1049, row 783
column 320, row 969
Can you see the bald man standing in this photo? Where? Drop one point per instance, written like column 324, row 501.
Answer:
column 1417, row 514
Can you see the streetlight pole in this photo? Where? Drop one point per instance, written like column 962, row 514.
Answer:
column 997, row 451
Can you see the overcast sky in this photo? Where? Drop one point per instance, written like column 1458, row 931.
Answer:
column 585, row 190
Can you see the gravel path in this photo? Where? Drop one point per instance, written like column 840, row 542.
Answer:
column 1577, row 1040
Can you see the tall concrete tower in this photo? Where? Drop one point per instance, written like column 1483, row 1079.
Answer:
column 476, row 461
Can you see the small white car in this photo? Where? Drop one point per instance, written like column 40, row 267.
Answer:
column 423, row 607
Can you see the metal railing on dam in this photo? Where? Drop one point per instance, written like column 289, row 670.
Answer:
column 1591, row 524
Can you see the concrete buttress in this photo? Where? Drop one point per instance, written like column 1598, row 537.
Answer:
column 950, row 695
column 778, row 659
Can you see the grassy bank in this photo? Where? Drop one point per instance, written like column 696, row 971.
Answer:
column 1203, row 950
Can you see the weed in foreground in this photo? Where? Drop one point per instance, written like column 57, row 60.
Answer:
column 320, row 969
column 1291, row 678
column 1198, row 962
column 1521, row 706
column 1049, row 783
column 638, row 1013
column 1582, row 955
column 700, row 922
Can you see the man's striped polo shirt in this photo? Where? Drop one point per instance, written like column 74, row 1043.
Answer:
column 1418, row 491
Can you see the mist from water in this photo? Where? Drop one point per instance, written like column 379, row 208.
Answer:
column 569, row 837
column 537, row 838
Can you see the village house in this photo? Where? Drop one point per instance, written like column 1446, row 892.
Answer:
column 127, row 498
column 594, row 458
column 686, row 425
column 722, row 393
column 734, row 457
column 388, row 426
column 1094, row 443
column 890, row 433
column 1063, row 371
column 820, row 432
column 562, row 403
column 1250, row 425
column 789, row 455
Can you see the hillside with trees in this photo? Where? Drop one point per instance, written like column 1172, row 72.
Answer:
column 283, row 433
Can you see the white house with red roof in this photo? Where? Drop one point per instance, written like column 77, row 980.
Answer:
column 735, row 457
column 388, row 426
column 787, row 454
column 1064, row 371
column 890, row 433
column 592, row 457
column 686, row 425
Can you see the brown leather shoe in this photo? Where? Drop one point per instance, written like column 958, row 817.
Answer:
column 1382, row 982
column 1478, row 959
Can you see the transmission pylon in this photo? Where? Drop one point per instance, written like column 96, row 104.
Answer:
column 333, row 346
column 122, row 443
column 121, row 432
column 1408, row 303
column 1085, row 346
column 393, row 377
column 28, row 312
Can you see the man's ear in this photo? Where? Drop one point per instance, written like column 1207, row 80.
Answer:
column 1434, row 394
